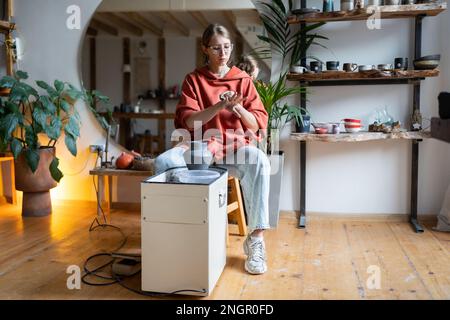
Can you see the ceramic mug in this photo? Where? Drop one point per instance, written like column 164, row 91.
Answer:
column 332, row 65
column 297, row 69
column 385, row 67
column 401, row 63
column 366, row 67
column 350, row 67
column 315, row 66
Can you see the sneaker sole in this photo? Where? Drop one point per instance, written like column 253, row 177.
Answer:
column 252, row 272
column 245, row 264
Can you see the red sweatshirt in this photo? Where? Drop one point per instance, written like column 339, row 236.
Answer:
column 202, row 89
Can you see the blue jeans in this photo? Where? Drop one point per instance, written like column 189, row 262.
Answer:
column 250, row 165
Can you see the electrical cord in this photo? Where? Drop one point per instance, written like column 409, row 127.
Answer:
column 84, row 167
column 114, row 278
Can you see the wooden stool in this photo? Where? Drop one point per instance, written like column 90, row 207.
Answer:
column 13, row 199
column 235, row 208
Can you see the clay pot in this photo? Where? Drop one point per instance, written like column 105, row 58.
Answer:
column 35, row 186
column 124, row 161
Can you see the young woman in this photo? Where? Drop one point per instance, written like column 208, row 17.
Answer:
column 217, row 97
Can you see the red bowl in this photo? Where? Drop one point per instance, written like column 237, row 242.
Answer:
column 352, row 120
column 352, row 125
column 321, row 130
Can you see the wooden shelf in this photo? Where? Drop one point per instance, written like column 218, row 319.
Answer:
column 362, row 78
column 162, row 98
column 119, row 172
column 6, row 26
column 440, row 129
column 360, row 136
column 141, row 115
column 387, row 12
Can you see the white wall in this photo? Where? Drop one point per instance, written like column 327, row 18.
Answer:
column 51, row 51
column 371, row 177
column 362, row 177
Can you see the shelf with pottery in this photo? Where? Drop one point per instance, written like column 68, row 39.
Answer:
column 386, row 12
column 360, row 136
column 142, row 115
column 370, row 77
column 341, row 77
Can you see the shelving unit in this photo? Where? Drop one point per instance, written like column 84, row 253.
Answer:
column 386, row 12
column 413, row 77
column 7, row 27
column 360, row 136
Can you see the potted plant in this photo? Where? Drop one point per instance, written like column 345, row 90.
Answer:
column 280, row 113
column 286, row 40
column 30, row 125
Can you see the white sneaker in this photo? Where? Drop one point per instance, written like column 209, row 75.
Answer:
column 255, row 250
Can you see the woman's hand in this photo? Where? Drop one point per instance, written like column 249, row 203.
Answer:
column 230, row 101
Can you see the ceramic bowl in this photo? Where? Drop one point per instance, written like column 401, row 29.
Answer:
column 325, row 125
column 353, row 130
column 321, row 130
column 426, row 64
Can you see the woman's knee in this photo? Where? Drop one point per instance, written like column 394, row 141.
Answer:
column 255, row 156
column 169, row 159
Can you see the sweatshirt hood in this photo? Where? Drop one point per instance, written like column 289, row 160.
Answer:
column 234, row 74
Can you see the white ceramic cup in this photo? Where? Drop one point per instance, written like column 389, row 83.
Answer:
column 297, row 69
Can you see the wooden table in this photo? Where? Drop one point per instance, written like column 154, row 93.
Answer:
column 104, row 190
column 13, row 199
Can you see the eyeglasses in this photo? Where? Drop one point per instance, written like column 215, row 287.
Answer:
column 226, row 48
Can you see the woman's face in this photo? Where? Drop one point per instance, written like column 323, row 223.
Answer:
column 218, row 51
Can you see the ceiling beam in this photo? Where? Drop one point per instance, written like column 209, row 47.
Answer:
column 231, row 19
column 168, row 17
column 200, row 18
column 145, row 23
column 98, row 25
column 91, row 32
column 122, row 23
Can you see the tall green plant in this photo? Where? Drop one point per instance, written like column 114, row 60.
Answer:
column 25, row 115
column 282, row 36
column 272, row 94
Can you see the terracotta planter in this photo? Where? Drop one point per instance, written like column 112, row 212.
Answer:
column 36, row 187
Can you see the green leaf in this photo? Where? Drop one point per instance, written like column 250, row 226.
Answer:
column 31, row 139
column 7, row 82
column 18, row 93
column 21, row 74
column 71, row 144
column 16, row 147
column 74, row 94
column 59, row 85
column 65, row 106
column 100, row 96
column 8, row 124
column 48, row 104
column 12, row 107
column 29, row 90
column 72, row 127
column 40, row 117
column 44, row 85
column 53, row 131
column 32, row 158
column 54, row 170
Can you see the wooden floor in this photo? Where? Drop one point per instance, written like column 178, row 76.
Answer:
column 328, row 260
